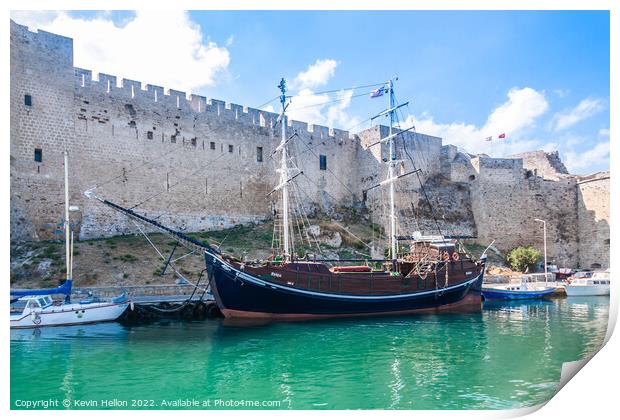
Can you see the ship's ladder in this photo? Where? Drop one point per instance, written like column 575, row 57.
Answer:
column 277, row 234
column 422, row 268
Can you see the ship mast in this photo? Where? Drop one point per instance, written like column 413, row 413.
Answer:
column 68, row 236
column 391, row 165
column 392, row 162
column 284, row 173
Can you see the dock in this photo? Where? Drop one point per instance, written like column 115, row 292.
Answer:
column 155, row 302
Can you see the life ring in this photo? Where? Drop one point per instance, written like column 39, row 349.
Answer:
column 446, row 256
column 456, row 256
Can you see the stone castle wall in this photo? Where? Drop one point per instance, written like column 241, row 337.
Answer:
column 506, row 200
column 42, row 68
column 546, row 165
column 193, row 163
column 593, row 217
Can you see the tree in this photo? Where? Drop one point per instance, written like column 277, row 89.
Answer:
column 523, row 257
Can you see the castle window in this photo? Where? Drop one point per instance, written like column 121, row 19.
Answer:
column 230, row 148
column 38, row 155
column 28, row 100
column 173, row 139
column 212, row 145
column 149, row 135
column 322, row 162
column 259, row 154
column 472, row 177
column 194, row 142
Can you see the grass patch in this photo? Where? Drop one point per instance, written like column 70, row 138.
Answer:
column 241, row 237
column 127, row 258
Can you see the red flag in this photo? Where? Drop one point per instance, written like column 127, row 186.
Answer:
column 502, row 136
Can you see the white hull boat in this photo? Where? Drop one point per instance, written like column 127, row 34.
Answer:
column 35, row 308
column 597, row 285
column 41, row 311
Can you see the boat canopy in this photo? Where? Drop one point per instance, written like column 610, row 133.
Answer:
column 63, row 289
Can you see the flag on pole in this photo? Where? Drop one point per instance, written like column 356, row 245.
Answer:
column 502, row 136
column 489, row 138
column 377, row 92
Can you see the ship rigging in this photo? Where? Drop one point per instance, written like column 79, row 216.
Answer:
column 430, row 274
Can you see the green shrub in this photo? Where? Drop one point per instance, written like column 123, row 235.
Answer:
column 128, row 258
column 523, row 257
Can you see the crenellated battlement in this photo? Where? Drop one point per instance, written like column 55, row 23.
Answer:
column 50, row 40
column 171, row 99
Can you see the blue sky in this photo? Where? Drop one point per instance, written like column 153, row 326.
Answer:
column 541, row 77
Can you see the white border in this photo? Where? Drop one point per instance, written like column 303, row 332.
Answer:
column 592, row 394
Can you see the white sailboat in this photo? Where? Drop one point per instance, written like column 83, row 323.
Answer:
column 36, row 308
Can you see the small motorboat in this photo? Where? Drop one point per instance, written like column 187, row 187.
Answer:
column 596, row 284
column 42, row 311
column 517, row 291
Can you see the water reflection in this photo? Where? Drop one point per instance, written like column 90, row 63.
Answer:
column 509, row 355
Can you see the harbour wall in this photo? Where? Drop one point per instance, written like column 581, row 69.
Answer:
column 195, row 163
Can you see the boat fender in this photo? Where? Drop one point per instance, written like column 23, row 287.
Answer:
column 446, row 256
column 456, row 256
column 131, row 305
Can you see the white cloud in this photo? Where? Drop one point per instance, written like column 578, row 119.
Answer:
column 597, row 156
column 315, row 75
column 322, row 109
column 514, row 117
column 161, row 48
column 336, row 113
column 520, row 111
column 603, row 132
column 585, row 109
column 309, row 107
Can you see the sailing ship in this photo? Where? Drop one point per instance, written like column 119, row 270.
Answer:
column 420, row 274
column 34, row 308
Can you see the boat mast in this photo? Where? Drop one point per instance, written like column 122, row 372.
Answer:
column 67, row 224
column 284, row 173
column 390, row 177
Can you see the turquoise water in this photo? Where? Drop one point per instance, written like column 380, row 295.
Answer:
column 508, row 356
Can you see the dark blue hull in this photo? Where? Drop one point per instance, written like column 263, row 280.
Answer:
column 239, row 294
